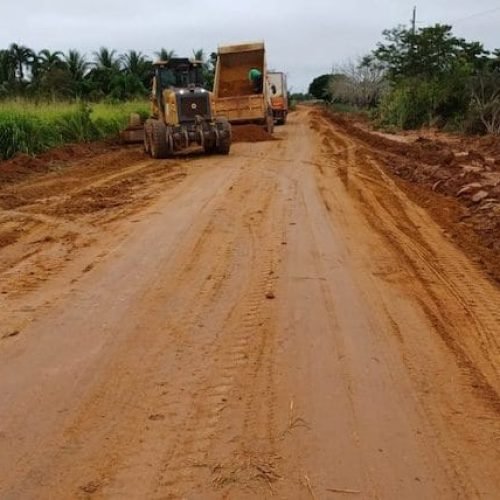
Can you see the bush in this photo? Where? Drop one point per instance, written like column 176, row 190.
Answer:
column 424, row 102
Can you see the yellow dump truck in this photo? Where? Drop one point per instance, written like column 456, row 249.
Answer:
column 240, row 96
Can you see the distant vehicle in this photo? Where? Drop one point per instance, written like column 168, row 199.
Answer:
column 237, row 96
column 279, row 96
column 182, row 112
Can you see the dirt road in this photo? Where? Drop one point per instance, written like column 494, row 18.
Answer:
column 283, row 322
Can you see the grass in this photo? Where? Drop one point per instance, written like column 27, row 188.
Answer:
column 30, row 128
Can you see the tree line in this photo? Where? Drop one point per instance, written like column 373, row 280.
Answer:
column 47, row 74
column 427, row 76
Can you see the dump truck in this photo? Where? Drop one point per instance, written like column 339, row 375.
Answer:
column 279, row 96
column 182, row 112
column 238, row 97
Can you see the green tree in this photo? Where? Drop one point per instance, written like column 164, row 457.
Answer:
column 199, row 55
column 107, row 65
column 430, row 71
column 76, row 64
column 7, row 66
column 23, row 57
column 320, row 87
column 107, row 59
column 428, row 53
column 49, row 60
column 125, row 86
column 164, row 54
column 45, row 62
column 135, row 63
column 209, row 71
column 78, row 68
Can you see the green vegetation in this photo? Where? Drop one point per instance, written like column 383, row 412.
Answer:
column 419, row 78
column 319, row 87
column 32, row 128
column 51, row 98
column 47, row 75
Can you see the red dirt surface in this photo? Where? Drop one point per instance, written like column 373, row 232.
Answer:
column 22, row 166
column 250, row 133
column 286, row 321
column 465, row 172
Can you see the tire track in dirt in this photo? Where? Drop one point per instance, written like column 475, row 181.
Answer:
column 219, row 250
column 199, row 275
column 460, row 309
column 239, row 342
column 386, row 211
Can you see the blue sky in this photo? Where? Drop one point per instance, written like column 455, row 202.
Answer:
column 303, row 38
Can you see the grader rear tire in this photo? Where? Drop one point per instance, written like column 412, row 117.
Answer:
column 159, row 145
column 147, row 138
column 225, row 143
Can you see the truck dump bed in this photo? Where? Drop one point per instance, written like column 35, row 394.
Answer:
column 236, row 97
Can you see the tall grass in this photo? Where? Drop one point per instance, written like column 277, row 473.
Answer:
column 32, row 128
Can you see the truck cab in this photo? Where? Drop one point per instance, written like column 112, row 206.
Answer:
column 279, row 96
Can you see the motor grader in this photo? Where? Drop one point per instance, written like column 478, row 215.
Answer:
column 182, row 112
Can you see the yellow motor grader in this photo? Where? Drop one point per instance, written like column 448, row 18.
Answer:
column 182, row 112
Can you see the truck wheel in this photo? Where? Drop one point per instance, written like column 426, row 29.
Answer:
column 269, row 124
column 159, row 146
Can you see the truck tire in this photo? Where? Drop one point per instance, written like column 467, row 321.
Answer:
column 269, row 124
column 159, row 145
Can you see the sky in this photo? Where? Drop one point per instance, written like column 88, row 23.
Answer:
column 303, row 38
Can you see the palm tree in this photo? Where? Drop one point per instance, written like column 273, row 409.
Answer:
column 135, row 63
column 107, row 59
column 199, row 55
column 76, row 65
column 7, row 66
column 165, row 55
column 45, row 62
column 48, row 60
column 22, row 56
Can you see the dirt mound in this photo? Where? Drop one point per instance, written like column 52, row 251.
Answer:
column 251, row 133
column 446, row 168
column 22, row 166
column 423, row 149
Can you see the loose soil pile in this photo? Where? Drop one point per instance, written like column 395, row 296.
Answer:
column 22, row 166
column 251, row 133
